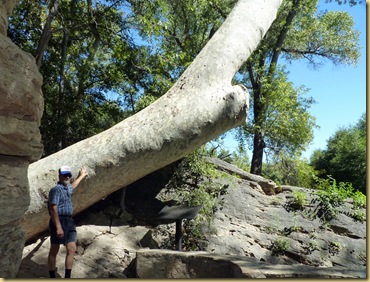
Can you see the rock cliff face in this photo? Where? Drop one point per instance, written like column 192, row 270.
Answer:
column 21, row 108
column 256, row 235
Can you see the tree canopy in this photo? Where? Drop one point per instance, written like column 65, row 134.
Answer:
column 344, row 158
column 103, row 61
column 280, row 120
column 106, row 60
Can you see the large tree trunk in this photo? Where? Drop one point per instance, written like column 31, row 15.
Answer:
column 199, row 107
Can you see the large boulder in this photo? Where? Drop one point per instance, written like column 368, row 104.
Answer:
column 20, row 140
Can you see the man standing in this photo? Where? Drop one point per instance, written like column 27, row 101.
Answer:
column 61, row 225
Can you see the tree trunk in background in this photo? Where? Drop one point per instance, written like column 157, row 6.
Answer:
column 258, row 139
column 46, row 33
column 259, row 106
column 199, row 107
column 257, row 157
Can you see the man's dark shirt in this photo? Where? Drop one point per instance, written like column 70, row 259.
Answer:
column 62, row 197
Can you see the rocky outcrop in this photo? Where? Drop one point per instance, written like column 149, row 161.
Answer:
column 102, row 252
column 268, row 228
column 254, row 235
column 21, row 108
column 266, row 186
column 165, row 264
column 6, row 9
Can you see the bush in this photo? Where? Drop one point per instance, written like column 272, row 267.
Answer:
column 293, row 171
column 298, row 202
column 345, row 156
column 332, row 195
column 280, row 246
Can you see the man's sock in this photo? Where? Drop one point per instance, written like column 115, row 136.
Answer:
column 52, row 273
column 68, row 273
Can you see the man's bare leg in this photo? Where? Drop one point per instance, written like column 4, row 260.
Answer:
column 52, row 259
column 71, row 250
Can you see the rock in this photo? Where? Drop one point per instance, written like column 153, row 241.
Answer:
column 6, row 9
column 258, row 236
column 11, row 241
column 22, row 103
column 102, row 252
column 14, row 197
column 148, row 242
column 251, row 223
column 258, row 182
column 20, row 140
column 164, row 264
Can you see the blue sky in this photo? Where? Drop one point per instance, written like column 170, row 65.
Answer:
column 339, row 91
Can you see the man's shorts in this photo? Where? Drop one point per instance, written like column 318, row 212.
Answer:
column 69, row 229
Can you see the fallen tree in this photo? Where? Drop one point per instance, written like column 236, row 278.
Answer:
column 200, row 106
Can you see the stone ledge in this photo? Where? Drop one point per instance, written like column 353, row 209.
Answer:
column 174, row 264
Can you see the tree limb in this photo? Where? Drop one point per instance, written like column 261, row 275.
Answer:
column 200, row 106
column 292, row 13
column 46, row 33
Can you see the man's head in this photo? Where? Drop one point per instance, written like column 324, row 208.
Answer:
column 65, row 174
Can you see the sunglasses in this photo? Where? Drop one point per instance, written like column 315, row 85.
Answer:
column 67, row 175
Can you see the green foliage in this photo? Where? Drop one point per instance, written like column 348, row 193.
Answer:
column 194, row 238
column 334, row 247
column 299, row 200
column 345, row 156
column 241, row 159
column 332, row 32
column 312, row 246
column 332, row 195
column 238, row 157
column 104, row 52
column 279, row 119
column 288, row 126
column 350, row 2
column 106, row 60
column 81, row 67
column 288, row 230
column 359, row 199
column 279, row 246
column 144, row 101
column 336, row 193
column 358, row 215
column 176, row 31
column 193, row 184
column 286, row 170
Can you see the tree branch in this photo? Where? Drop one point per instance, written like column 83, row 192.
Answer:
column 200, row 106
column 276, row 53
column 46, row 33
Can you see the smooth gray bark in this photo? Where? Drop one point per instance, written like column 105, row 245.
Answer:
column 199, row 107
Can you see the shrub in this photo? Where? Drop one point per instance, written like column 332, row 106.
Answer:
column 298, row 201
column 280, row 246
column 293, row 171
column 332, row 195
